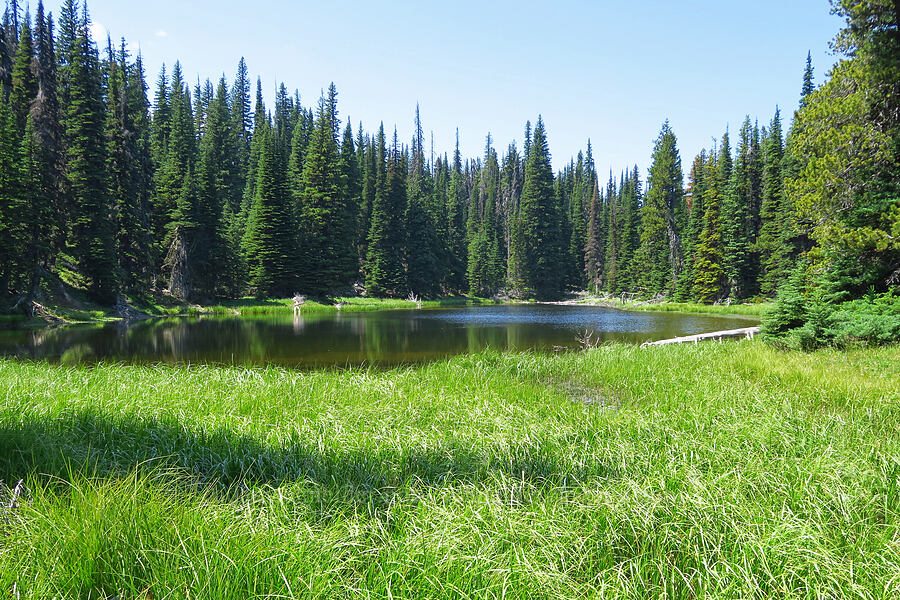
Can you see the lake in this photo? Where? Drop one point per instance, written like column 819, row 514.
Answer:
column 387, row 337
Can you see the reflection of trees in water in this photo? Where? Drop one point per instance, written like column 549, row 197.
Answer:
column 324, row 339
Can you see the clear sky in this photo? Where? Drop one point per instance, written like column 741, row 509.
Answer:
column 610, row 71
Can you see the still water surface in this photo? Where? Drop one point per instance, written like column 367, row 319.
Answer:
column 387, row 337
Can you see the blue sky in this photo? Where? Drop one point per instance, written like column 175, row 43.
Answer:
column 608, row 71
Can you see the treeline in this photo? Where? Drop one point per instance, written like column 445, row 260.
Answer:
column 208, row 193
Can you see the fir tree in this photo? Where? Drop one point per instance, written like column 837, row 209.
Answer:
column 736, row 219
column 656, row 258
column 384, row 270
column 808, row 87
column 351, row 181
column 329, row 255
column 539, row 219
column 11, row 204
column 24, row 83
column 93, row 227
column 594, row 254
column 420, row 247
column 709, row 274
column 270, row 242
column 456, row 229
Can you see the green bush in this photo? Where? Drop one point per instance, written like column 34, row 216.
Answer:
column 803, row 319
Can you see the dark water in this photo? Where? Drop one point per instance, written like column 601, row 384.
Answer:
column 328, row 339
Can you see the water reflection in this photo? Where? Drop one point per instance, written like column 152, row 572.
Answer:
column 328, row 339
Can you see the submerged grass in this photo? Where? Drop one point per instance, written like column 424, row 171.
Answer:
column 616, row 472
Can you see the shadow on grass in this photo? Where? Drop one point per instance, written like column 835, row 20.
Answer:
column 89, row 444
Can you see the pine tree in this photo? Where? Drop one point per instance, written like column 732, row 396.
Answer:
column 270, row 242
column 658, row 257
column 329, row 255
column 24, row 83
column 737, row 235
column 93, row 227
column 216, row 230
column 774, row 260
column 351, row 180
column 594, row 253
column 11, row 203
column 709, row 274
column 241, row 113
column 808, row 86
column 456, row 229
column 48, row 142
column 384, row 274
column 120, row 168
column 695, row 194
column 420, row 244
column 539, row 219
column 630, row 202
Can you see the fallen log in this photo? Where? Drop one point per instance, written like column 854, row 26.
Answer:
column 745, row 332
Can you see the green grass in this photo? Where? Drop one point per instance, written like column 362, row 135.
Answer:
column 250, row 306
column 615, row 472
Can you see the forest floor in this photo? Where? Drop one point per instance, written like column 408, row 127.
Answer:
column 611, row 472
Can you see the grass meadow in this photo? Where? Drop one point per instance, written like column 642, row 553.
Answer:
column 724, row 470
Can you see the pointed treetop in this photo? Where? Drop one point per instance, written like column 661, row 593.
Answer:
column 808, row 85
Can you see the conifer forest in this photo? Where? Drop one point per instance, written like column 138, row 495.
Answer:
column 206, row 192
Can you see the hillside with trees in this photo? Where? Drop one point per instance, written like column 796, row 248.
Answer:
column 207, row 193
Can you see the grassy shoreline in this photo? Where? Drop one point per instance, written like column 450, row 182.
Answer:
column 86, row 312
column 614, row 472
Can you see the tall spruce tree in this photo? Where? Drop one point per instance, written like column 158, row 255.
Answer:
column 421, row 245
column 93, row 229
column 710, row 279
column 12, row 207
column 594, row 253
column 384, row 270
column 270, row 243
column 737, row 233
column 24, row 82
column 329, row 224
column 658, row 257
column 774, row 257
column 539, row 222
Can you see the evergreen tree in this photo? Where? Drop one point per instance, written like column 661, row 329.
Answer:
column 24, row 82
column 456, row 229
column 486, row 271
column 241, row 113
column 48, row 143
column 737, row 234
column 384, row 270
column 658, row 257
column 11, row 204
column 709, row 275
column 421, row 240
column 351, row 180
column 121, row 167
column 270, row 242
column 594, row 255
column 93, row 225
column 539, row 220
column 696, row 192
column 808, row 86
column 329, row 254
column 216, row 231
column 775, row 262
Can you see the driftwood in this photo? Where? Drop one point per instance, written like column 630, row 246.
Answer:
column 745, row 332
column 14, row 495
